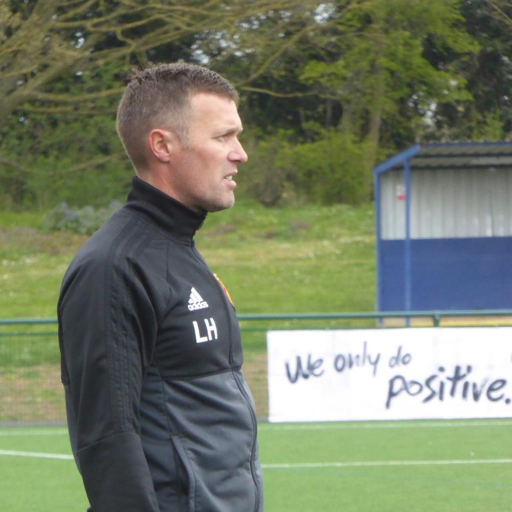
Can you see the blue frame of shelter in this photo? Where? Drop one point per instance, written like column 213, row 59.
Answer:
column 403, row 160
column 400, row 159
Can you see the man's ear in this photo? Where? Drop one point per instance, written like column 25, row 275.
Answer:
column 161, row 144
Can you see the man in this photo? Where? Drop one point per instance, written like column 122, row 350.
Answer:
column 159, row 415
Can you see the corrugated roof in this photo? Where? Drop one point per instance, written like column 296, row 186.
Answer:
column 467, row 155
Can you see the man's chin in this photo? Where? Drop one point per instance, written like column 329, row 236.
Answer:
column 218, row 207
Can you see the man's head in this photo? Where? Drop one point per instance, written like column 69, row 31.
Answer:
column 179, row 125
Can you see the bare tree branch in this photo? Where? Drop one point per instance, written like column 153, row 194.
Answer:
column 80, row 111
column 45, row 45
column 499, row 12
column 284, row 95
column 95, row 162
column 15, row 165
column 61, row 37
column 66, row 98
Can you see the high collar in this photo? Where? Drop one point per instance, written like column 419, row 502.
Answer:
column 165, row 212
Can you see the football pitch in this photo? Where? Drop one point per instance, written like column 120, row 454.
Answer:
column 412, row 466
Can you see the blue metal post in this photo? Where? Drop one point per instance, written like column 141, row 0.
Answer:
column 378, row 235
column 408, row 266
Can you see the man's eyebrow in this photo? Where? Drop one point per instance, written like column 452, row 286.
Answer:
column 234, row 129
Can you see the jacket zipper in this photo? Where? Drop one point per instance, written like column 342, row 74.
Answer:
column 238, row 383
column 255, row 428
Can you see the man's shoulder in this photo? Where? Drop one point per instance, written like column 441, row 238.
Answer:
column 124, row 238
column 111, row 243
column 116, row 257
column 110, row 234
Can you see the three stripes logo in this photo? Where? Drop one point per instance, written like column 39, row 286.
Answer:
column 196, row 301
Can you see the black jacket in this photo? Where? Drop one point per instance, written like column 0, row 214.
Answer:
column 160, row 417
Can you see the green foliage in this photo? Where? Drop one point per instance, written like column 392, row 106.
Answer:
column 327, row 170
column 327, row 89
column 489, row 79
column 382, row 69
column 84, row 221
column 490, row 128
column 72, row 156
column 264, row 177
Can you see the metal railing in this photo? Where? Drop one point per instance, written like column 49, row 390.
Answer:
column 435, row 316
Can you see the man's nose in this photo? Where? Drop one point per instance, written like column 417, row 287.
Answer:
column 238, row 153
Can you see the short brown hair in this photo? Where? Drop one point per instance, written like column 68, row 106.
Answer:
column 159, row 96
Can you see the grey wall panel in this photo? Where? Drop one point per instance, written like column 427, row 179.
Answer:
column 461, row 203
column 393, row 210
column 501, row 201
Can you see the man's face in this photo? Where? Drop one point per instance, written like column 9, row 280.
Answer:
column 205, row 163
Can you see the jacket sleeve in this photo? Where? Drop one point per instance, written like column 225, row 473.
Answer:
column 107, row 329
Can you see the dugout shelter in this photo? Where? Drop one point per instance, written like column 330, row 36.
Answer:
column 444, row 228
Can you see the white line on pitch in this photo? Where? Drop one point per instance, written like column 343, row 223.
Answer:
column 38, row 455
column 305, row 465
column 54, row 432
column 378, row 425
column 316, row 426
column 320, row 465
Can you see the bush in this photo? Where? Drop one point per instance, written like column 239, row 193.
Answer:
column 328, row 170
column 264, row 178
column 85, row 220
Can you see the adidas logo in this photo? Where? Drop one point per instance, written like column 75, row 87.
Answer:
column 196, row 301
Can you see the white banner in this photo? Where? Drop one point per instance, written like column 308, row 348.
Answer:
column 390, row 374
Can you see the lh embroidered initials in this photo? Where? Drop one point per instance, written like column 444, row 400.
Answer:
column 211, row 331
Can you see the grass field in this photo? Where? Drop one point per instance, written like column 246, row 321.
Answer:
column 440, row 466
column 295, row 259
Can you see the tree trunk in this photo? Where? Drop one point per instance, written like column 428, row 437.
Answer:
column 376, row 109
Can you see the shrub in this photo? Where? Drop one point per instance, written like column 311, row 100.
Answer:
column 85, row 220
column 330, row 169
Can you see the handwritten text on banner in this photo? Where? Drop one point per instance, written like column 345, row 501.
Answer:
column 390, row 374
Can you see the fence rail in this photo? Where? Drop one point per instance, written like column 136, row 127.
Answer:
column 435, row 316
